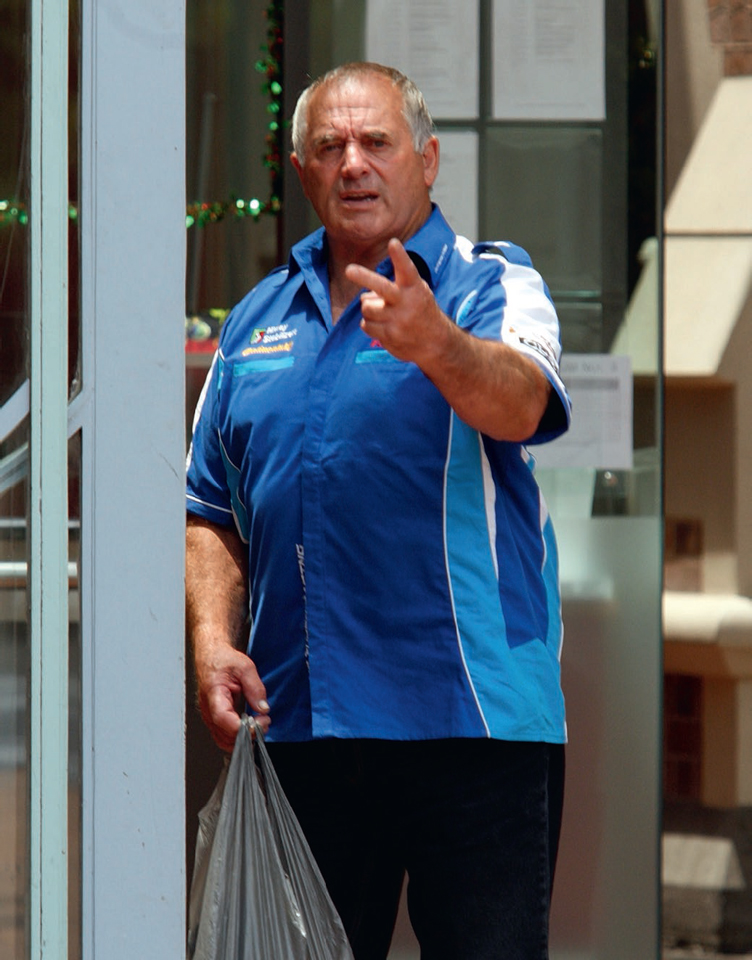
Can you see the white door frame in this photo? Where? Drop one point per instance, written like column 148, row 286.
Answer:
column 131, row 413
column 48, row 507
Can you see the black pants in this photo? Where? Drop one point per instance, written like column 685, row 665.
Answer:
column 474, row 823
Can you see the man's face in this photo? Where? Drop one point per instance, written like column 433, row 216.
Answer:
column 362, row 174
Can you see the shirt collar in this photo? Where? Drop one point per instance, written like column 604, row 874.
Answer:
column 429, row 249
column 309, row 253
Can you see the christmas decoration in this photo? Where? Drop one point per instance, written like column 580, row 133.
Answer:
column 203, row 213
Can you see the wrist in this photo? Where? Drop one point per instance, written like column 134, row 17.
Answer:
column 443, row 350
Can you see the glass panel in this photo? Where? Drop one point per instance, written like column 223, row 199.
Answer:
column 74, row 245
column 231, row 156
column 14, row 185
column 581, row 326
column 557, row 212
column 582, row 200
column 75, row 384
column 606, row 899
column 13, row 708
column 14, row 665
column 228, row 154
column 610, row 534
column 75, row 705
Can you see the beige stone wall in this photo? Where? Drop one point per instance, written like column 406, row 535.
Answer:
column 736, row 367
column 705, row 41
column 694, row 67
column 699, row 478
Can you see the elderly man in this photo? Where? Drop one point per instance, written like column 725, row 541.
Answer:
column 370, row 563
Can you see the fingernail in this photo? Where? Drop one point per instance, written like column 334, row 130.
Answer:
column 263, row 705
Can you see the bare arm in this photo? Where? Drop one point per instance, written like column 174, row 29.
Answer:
column 216, row 607
column 491, row 386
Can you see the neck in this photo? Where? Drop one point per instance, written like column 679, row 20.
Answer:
column 341, row 290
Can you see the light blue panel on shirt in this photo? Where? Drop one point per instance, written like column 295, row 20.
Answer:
column 233, row 483
column 473, row 579
column 257, row 366
column 551, row 580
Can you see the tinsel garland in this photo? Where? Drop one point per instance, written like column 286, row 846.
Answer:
column 270, row 65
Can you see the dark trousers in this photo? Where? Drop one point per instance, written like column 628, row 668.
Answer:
column 474, row 823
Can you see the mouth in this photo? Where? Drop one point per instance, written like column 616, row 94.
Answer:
column 358, row 197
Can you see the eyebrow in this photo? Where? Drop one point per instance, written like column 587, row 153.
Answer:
column 374, row 134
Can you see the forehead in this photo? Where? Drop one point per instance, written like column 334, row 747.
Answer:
column 367, row 102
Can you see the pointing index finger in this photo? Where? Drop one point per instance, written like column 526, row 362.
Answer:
column 370, row 280
column 405, row 271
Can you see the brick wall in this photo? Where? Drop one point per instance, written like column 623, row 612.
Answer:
column 731, row 28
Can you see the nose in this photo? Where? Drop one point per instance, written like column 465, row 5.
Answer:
column 353, row 160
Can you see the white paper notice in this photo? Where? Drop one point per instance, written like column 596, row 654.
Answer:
column 549, row 60
column 435, row 42
column 456, row 187
column 600, row 436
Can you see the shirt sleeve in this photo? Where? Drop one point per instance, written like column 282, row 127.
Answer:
column 518, row 309
column 207, row 492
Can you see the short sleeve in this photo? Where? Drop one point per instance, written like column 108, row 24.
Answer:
column 519, row 310
column 207, row 492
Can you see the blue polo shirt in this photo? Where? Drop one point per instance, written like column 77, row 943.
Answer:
column 402, row 567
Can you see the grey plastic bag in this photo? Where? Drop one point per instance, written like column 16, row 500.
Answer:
column 256, row 892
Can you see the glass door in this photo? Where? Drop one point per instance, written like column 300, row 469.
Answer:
column 39, row 475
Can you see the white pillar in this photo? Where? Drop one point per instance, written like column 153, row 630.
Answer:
column 133, row 508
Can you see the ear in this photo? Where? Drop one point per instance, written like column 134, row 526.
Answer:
column 300, row 170
column 431, row 161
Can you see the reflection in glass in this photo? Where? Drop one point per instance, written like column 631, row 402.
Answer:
column 75, row 384
column 14, row 652
column 226, row 126
column 14, row 665
column 74, row 695
column 557, row 213
column 581, row 326
column 14, row 198
column 74, row 240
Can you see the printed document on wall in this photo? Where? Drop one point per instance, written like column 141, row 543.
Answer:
column 549, row 60
column 435, row 42
column 600, row 436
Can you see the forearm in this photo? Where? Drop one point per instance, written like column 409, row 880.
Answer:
column 491, row 386
column 216, row 585
column 216, row 612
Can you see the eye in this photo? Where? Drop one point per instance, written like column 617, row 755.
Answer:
column 329, row 148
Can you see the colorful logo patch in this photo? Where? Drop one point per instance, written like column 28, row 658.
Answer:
column 275, row 339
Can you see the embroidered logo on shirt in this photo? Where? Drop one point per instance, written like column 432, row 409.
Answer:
column 276, row 339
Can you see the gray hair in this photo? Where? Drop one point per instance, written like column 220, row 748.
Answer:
column 414, row 107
